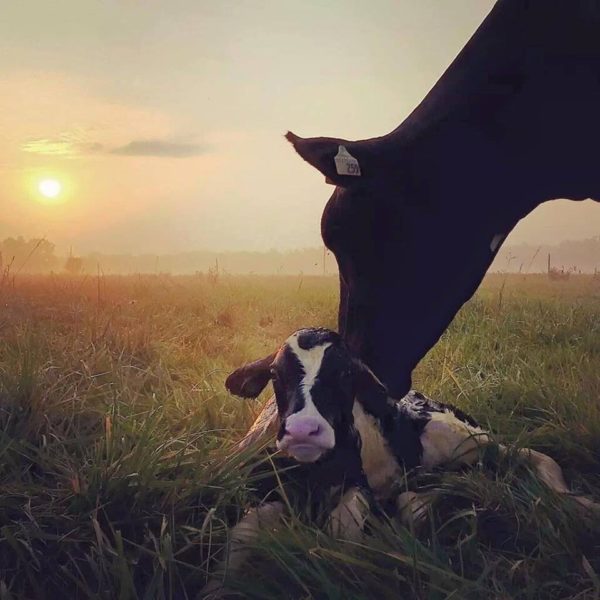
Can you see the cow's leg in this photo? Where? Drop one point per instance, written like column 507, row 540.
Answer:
column 347, row 519
column 550, row 473
column 265, row 516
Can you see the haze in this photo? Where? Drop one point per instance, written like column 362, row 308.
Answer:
column 163, row 121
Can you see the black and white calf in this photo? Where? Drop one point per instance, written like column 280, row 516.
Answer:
column 337, row 422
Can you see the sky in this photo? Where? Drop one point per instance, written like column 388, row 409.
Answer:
column 163, row 120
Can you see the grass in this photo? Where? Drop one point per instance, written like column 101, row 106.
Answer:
column 119, row 476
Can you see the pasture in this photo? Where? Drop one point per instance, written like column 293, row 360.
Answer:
column 118, row 469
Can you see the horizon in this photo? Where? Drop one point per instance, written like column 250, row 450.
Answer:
column 151, row 129
column 40, row 256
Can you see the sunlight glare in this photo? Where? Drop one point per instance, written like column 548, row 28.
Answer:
column 49, row 188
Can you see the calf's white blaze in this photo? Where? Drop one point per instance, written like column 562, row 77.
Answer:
column 447, row 439
column 311, row 360
column 379, row 464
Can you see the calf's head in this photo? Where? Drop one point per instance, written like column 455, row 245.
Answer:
column 316, row 380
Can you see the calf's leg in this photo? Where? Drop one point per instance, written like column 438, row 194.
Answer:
column 265, row 516
column 412, row 507
column 265, row 425
column 550, row 473
column 450, row 441
column 347, row 519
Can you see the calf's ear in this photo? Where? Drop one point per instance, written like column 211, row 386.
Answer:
column 251, row 379
column 370, row 392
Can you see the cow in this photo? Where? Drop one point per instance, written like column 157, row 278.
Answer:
column 350, row 440
column 418, row 215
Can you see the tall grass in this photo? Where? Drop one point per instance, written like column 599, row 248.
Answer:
column 119, row 476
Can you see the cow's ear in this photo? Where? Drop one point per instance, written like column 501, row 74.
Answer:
column 370, row 392
column 342, row 162
column 251, row 379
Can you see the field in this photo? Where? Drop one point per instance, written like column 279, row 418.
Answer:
column 118, row 469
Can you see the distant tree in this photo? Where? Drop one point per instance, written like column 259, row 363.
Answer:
column 34, row 255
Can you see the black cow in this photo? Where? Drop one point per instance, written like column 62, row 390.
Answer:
column 418, row 215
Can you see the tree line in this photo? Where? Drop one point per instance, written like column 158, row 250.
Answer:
column 39, row 255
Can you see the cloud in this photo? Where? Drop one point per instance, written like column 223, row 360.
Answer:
column 160, row 148
column 74, row 143
column 68, row 145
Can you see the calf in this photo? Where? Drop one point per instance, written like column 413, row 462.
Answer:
column 349, row 438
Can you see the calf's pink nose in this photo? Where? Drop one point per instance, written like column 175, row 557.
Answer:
column 304, row 428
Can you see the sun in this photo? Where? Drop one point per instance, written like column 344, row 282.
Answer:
column 50, row 188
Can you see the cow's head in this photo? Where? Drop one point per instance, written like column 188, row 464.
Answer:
column 316, row 380
column 419, row 214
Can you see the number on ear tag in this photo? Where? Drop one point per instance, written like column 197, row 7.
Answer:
column 346, row 164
